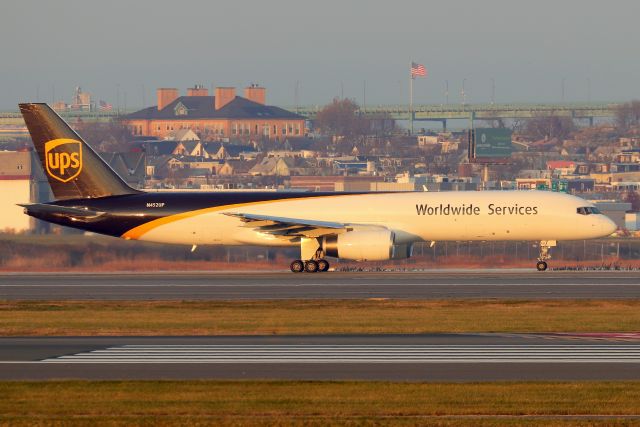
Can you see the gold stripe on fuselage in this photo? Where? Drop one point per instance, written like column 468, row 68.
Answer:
column 139, row 231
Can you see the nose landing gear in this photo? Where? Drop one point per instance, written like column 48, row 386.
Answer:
column 545, row 254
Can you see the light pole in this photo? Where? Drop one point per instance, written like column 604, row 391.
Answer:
column 493, row 91
column 462, row 93
column 446, row 92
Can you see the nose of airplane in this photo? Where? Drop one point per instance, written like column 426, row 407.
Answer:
column 607, row 226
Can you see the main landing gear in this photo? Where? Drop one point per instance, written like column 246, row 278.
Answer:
column 545, row 254
column 310, row 250
column 311, row 266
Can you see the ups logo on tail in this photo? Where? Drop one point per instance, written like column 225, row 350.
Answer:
column 63, row 159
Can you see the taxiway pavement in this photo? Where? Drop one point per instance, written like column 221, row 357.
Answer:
column 517, row 284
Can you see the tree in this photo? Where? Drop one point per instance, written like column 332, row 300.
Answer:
column 341, row 118
column 110, row 137
column 627, row 115
column 633, row 198
column 548, row 127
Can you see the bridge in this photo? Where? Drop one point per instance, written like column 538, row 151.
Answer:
column 442, row 113
column 436, row 113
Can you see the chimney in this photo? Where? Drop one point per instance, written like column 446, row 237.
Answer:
column 166, row 96
column 198, row 90
column 224, row 95
column 255, row 93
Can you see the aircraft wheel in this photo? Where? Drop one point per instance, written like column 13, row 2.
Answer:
column 323, row 265
column 297, row 266
column 541, row 266
column 311, row 266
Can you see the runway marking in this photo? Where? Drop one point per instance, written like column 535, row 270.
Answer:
column 270, row 285
column 357, row 354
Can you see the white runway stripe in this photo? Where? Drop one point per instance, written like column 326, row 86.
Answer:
column 357, row 354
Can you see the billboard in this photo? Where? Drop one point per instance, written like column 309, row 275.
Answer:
column 488, row 144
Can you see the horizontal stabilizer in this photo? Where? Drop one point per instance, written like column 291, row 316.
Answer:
column 44, row 211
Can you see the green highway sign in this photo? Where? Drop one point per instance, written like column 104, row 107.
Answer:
column 491, row 143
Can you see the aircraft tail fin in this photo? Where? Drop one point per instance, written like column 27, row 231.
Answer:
column 73, row 169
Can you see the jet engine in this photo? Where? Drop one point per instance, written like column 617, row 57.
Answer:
column 365, row 245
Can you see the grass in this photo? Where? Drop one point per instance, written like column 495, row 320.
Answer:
column 23, row 318
column 316, row 403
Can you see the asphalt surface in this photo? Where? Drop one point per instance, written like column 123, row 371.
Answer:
column 518, row 284
column 456, row 357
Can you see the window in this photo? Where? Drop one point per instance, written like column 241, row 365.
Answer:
column 180, row 109
column 588, row 210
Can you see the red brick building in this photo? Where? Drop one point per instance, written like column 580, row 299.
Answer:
column 224, row 115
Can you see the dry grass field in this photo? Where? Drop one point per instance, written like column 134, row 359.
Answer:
column 21, row 318
column 86, row 403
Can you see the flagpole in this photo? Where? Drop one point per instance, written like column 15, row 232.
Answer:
column 411, row 97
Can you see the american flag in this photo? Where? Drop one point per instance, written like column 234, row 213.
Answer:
column 418, row 70
column 104, row 106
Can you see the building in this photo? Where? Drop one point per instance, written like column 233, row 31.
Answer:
column 21, row 181
column 614, row 209
column 223, row 116
column 333, row 183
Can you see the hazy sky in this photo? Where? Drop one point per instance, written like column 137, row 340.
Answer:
column 528, row 47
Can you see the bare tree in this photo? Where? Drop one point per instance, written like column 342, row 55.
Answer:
column 627, row 115
column 634, row 198
column 548, row 127
column 111, row 136
column 341, row 118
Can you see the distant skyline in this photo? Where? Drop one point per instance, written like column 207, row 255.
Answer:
column 331, row 48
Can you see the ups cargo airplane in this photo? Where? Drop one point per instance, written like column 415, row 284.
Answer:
column 90, row 196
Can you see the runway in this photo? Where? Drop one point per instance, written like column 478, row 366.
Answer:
column 452, row 284
column 437, row 357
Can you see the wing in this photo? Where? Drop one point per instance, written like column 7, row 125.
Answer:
column 289, row 228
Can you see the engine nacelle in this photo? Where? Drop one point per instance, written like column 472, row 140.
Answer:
column 365, row 245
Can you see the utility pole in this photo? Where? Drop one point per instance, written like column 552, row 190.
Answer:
column 446, row 92
column 364, row 96
column 462, row 93
column 493, row 91
column 588, row 89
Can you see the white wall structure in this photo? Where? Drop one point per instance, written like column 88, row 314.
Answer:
column 15, row 187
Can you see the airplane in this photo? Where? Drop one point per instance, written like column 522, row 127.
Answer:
column 361, row 226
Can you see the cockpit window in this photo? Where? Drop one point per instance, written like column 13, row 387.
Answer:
column 588, row 210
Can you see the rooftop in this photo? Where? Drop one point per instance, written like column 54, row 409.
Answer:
column 203, row 107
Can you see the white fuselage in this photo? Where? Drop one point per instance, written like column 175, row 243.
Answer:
column 412, row 216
